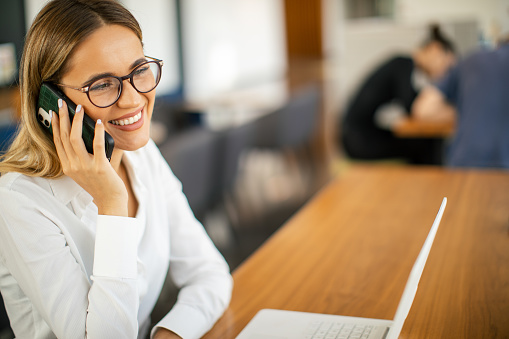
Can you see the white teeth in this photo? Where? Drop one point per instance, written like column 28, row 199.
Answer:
column 129, row 121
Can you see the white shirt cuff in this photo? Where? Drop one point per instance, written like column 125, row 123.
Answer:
column 184, row 320
column 116, row 245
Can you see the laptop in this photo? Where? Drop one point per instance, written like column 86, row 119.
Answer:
column 280, row 324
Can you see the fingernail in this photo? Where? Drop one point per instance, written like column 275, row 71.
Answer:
column 50, row 114
column 99, row 121
column 78, row 108
column 59, row 103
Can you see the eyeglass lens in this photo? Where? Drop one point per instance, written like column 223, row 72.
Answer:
column 105, row 91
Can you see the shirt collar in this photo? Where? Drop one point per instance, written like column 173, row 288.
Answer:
column 131, row 158
column 65, row 189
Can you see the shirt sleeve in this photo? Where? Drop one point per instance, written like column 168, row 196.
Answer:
column 114, row 280
column 196, row 267
column 35, row 250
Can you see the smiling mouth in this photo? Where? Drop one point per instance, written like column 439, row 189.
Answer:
column 126, row 122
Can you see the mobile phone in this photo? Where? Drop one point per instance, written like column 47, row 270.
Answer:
column 48, row 101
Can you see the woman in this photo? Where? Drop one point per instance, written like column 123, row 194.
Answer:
column 394, row 86
column 85, row 244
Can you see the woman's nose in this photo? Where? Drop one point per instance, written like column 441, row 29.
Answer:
column 129, row 97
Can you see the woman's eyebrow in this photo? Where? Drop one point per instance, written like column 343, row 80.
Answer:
column 107, row 74
column 95, row 77
column 138, row 62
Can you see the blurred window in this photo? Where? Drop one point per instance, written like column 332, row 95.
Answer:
column 356, row 9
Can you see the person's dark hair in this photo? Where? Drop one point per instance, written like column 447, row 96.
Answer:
column 436, row 35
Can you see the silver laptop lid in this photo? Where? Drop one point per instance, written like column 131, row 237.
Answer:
column 408, row 296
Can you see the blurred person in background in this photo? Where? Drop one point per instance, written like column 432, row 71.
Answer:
column 86, row 243
column 392, row 88
column 476, row 92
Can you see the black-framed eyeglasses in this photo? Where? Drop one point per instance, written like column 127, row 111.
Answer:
column 105, row 91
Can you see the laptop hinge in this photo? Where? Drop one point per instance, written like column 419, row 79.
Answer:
column 386, row 332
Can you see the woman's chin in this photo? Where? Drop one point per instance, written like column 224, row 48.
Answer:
column 132, row 145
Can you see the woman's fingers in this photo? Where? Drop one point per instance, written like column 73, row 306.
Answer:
column 93, row 173
column 55, row 124
column 65, row 131
column 68, row 137
column 76, row 137
column 99, row 153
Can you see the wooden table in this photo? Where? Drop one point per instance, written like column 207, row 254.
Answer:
column 409, row 127
column 350, row 250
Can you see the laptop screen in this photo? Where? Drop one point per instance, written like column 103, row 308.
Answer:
column 410, row 290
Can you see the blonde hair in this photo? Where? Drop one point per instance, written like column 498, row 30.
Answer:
column 56, row 31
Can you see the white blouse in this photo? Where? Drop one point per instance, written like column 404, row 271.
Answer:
column 67, row 272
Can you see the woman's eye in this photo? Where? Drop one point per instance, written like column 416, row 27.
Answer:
column 141, row 71
column 102, row 85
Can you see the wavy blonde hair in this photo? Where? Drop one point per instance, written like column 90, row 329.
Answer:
column 55, row 33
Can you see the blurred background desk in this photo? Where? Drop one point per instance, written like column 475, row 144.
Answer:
column 409, row 127
column 350, row 250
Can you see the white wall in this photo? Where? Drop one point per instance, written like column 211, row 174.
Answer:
column 230, row 44
column 366, row 44
column 157, row 19
column 491, row 15
column 32, row 7
column 227, row 43
column 332, row 27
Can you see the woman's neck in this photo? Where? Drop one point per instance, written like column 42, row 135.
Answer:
column 119, row 167
column 116, row 159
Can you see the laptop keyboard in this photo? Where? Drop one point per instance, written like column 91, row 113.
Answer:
column 335, row 330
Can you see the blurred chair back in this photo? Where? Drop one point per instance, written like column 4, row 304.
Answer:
column 234, row 142
column 292, row 125
column 192, row 157
column 206, row 161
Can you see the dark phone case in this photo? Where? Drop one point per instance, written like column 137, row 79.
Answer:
column 48, row 100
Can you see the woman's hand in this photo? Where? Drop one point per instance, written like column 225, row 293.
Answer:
column 93, row 172
column 163, row 333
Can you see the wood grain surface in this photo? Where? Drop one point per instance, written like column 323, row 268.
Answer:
column 350, row 249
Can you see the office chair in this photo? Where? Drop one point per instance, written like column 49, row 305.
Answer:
column 293, row 125
column 192, row 157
